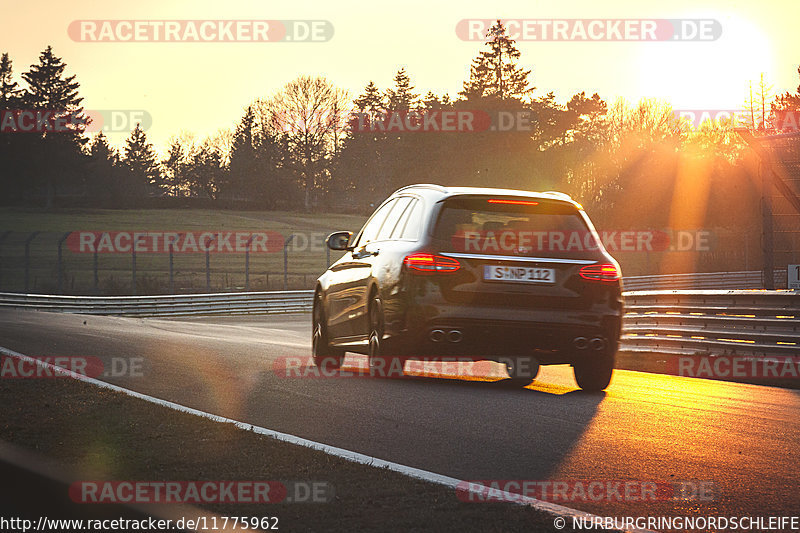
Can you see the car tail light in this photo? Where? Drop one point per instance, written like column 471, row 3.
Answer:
column 430, row 264
column 600, row 272
column 512, row 202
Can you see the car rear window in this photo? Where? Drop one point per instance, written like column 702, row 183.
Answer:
column 513, row 226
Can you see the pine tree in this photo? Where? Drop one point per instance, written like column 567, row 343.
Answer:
column 100, row 149
column 402, row 97
column 371, row 101
column 59, row 158
column 495, row 73
column 13, row 148
column 372, row 104
column 49, row 89
column 431, row 101
column 359, row 166
column 274, row 183
column 174, row 168
column 243, row 156
column 786, row 110
column 798, row 87
column 140, row 161
column 10, row 92
column 103, row 172
column 206, row 170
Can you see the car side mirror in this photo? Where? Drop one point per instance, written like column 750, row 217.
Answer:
column 339, row 240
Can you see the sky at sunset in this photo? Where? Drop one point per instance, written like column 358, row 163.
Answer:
column 201, row 87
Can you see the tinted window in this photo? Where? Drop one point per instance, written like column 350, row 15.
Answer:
column 411, row 222
column 401, row 223
column 391, row 220
column 528, row 227
column 371, row 228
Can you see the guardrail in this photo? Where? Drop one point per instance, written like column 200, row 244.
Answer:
column 238, row 303
column 748, row 279
column 748, row 323
column 738, row 322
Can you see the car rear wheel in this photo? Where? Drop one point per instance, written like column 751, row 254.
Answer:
column 323, row 354
column 593, row 375
column 380, row 365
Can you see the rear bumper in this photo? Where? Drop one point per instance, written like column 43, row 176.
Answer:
column 549, row 335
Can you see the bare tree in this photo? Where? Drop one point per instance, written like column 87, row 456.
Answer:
column 757, row 106
column 650, row 121
column 307, row 115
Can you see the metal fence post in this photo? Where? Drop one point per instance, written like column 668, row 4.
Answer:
column 28, row 258
column 171, row 272
column 286, row 262
column 94, row 269
column 133, row 268
column 61, row 262
column 96, row 262
column 134, row 243
column 208, row 263
column 2, row 238
column 247, row 264
column 767, row 265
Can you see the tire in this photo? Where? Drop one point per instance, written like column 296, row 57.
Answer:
column 322, row 353
column 594, row 375
column 521, row 370
column 380, row 365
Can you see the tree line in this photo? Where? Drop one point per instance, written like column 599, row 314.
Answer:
column 304, row 149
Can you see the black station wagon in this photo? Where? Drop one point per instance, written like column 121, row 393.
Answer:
column 511, row 276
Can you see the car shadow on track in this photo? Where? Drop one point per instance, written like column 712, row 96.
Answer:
column 481, row 375
column 502, row 430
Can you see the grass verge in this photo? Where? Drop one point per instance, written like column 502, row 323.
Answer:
column 307, row 256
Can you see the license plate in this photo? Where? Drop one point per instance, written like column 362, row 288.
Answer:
column 522, row 274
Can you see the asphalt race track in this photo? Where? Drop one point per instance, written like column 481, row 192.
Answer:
column 744, row 439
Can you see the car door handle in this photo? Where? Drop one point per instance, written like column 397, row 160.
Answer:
column 365, row 253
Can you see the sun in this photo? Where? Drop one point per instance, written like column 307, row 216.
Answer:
column 707, row 75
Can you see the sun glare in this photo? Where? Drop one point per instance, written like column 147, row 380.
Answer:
column 712, row 76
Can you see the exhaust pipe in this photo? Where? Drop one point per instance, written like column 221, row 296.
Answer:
column 597, row 343
column 454, row 335
column 580, row 343
column 436, row 335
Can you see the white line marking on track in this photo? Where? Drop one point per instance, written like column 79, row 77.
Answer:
column 410, row 471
